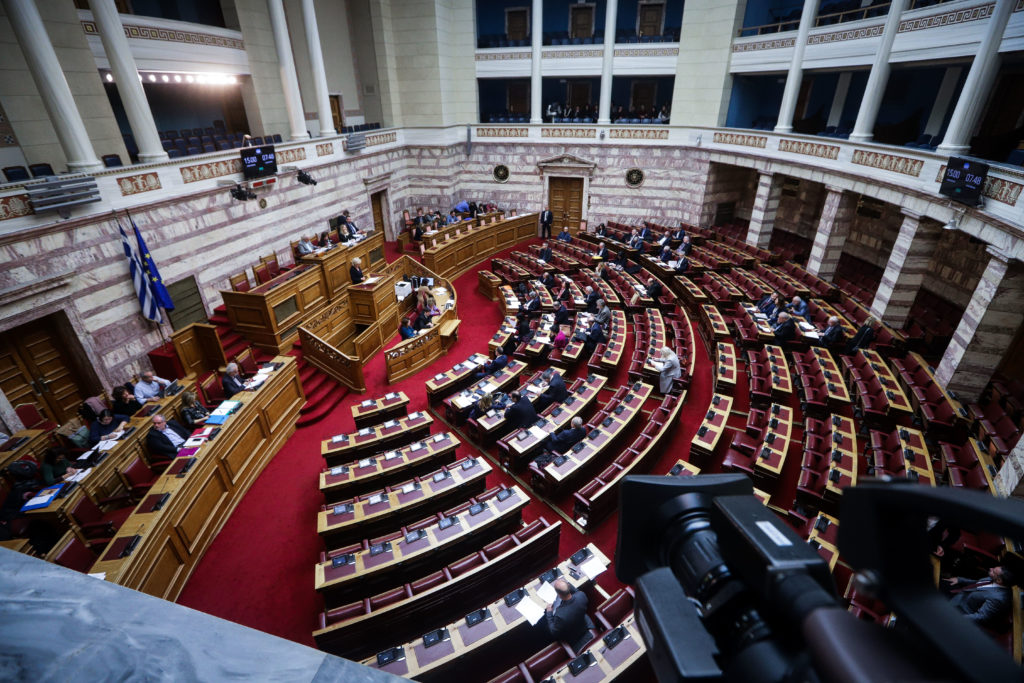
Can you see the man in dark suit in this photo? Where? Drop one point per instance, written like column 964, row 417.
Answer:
column 561, row 316
column 533, row 304
column 595, row 336
column 591, row 299
column 682, row 264
column 635, row 241
column 645, row 234
column 833, row 332
column 546, row 217
column 165, row 438
column 566, row 618
column 521, row 412
column 232, row 382
column 654, row 289
column 679, row 233
column 604, row 314
column 865, row 335
column 556, row 391
column 602, row 252
column 687, row 246
column 493, row 366
column 785, row 328
column 548, row 281
column 562, row 440
column 545, row 250
column 666, row 254
column 984, row 602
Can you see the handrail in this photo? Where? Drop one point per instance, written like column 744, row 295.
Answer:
column 336, row 363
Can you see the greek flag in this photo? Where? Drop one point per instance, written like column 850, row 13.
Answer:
column 150, row 309
column 156, row 283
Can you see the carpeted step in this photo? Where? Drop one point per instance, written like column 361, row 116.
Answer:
column 220, row 309
column 321, row 406
column 314, row 383
column 220, row 320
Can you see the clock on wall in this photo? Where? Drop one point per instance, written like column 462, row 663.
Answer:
column 634, row 177
column 500, row 173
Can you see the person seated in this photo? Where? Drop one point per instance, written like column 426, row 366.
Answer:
column 770, row 304
column 865, row 335
column 560, row 341
column 682, row 263
column 493, row 366
column 561, row 315
column 687, row 246
column 346, row 226
column 56, row 466
column 635, row 241
column 561, row 441
column 453, row 218
column 565, row 619
column 405, row 329
column 325, row 239
column 785, row 328
column 564, row 236
column 232, row 382
column 106, row 423
column 563, row 292
column 421, row 219
column 524, row 333
column 645, row 234
column 602, row 230
column 545, row 252
column 654, row 289
column 595, row 336
column 305, row 246
column 355, row 271
column 602, row 252
column 679, row 233
column 421, row 320
column 481, row 407
column 166, row 437
column 520, row 412
column 124, row 403
column 416, row 235
column 532, row 306
column 833, row 332
column 555, row 393
column 590, row 299
column 150, row 387
column 986, row 602
column 664, row 240
column 549, row 281
column 193, row 412
column 604, row 314
column 797, row 307
column 666, row 254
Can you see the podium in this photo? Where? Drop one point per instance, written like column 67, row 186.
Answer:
column 368, row 301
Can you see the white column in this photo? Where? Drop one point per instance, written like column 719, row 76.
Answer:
column 316, row 61
column 604, row 108
column 979, row 82
column 835, row 114
column 289, row 81
column 942, row 100
column 126, row 75
column 536, row 40
column 879, row 76
column 51, row 84
column 796, row 68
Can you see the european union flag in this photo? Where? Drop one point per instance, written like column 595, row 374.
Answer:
column 163, row 298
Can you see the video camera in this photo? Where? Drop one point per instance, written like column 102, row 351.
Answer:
column 726, row 591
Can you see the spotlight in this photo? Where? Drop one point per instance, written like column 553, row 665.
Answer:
column 189, row 78
column 110, row 78
column 177, row 78
column 242, row 193
column 201, row 79
column 232, row 80
column 306, row 179
column 152, row 78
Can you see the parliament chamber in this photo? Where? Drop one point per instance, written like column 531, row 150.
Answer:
column 438, row 280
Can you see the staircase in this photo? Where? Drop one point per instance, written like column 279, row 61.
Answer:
column 322, row 392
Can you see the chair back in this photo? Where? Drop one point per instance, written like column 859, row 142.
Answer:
column 239, row 282
column 72, row 552
column 272, row 264
column 247, row 362
column 85, row 512
column 262, row 273
column 137, row 473
column 29, row 414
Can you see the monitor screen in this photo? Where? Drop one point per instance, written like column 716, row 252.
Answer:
column 258, row 162
column 964, row 180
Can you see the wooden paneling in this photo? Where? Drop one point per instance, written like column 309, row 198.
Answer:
column 566, row 202
column 201, row 510
column 199, row 348
column 458, row 254
column 166, row 570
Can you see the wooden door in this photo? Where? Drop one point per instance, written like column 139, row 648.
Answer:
column 650, row 20
column 336, row 112
column 377, row 206
column 35, row 367
column 518, row 97
column 581, row 21
column 517, row 23
column 643, row 96
column 566, row 202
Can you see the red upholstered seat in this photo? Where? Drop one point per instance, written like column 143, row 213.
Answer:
column 532, row 529
column 615, row 609
column 344, row 613
column 97, row 527
column 460, row 567
column 737, row 460
column 427, row 582
column 545, row 662
column 513, row 675
column 72, row 553
column 499, row 547
column 390, row 597
column 30, row 416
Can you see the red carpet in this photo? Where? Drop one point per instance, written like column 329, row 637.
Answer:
column 259, row 570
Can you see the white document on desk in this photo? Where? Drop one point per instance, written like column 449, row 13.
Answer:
column 105, row 445
column 547, row 593
column 593, row 568
column 538, row 433
column 80, row 475
column 530, row 609
column 370, row 280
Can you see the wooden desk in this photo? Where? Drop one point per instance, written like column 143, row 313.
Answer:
column 849, row 329
column 713, row 323
column 369, row 302
column 627, row 656
column 692, row 295
column 461, row 252
column 269, row 315
column 369, row 474
column 493, row 425
column 778, row 367
column 458, row 406
column 370, row 440
column 713, row 425
column 771, row 456
column 370, row 572
column 461, row 374
column 843, row 440
column 488, row 284
column 835, row 387
column 173, row 538
column 725, row 368
column 616, row 344
column 374, row 411
column 334, row 263
column 470, row 648
column 369, row 515
column 893, row 393
column 915, row 455
column 682, row 468
column 27, row 442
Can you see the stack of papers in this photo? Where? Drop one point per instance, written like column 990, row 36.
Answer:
column 106, row 445
column 530, row 609
column 547, row 593
column 538, row 433
column 368, row 403
column 370, row 280
column 194, row 442
column 82, row 474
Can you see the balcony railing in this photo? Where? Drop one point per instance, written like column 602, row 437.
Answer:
column 832, row 13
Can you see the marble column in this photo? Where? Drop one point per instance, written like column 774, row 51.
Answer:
column 911, row 255
column 986, row 330
column 536, row 42
column 766, row 206
column 979, row 82
column 604, row 109
column 830, row 237
column 316, row 62
column 52, row 85
column 1010, row 479
column 835, row 114
column 943, row 98
column 796, row 68
column 863, row 129
column 126, row 76
column 286, row 64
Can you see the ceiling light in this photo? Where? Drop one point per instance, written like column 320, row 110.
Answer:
column 201, row 79
column 189, row 79
column 232, row 79
column 177, row 78
column 166, row 78
column 152, row 78
column 110, row 78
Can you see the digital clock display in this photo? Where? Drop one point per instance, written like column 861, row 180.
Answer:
column 964, row 180
column 258, row 162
